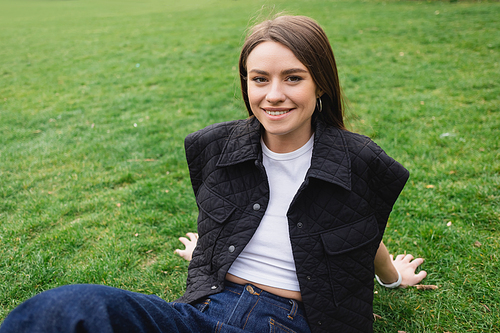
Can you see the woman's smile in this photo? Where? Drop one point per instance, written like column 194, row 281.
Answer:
column 276, row 111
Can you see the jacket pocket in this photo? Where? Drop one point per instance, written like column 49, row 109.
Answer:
column 350, row 251
column 214, row 212
column 212, row 205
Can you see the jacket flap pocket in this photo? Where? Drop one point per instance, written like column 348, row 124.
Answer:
column 217, row 208
column 350, row 236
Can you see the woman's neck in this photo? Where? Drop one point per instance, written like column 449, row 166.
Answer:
column 285, row 143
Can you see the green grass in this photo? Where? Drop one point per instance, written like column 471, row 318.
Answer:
column 96, row 99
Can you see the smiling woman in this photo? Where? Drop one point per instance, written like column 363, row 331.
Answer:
column 292, row 210
column 282, row 95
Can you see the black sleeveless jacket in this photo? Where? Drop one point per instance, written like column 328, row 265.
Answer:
column 336, row 219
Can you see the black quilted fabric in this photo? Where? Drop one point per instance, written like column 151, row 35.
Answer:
column 336, row 220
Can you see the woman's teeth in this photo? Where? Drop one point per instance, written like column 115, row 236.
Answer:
column 276, row 113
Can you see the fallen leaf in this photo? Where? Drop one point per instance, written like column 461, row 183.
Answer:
column 426, row 287
column 477, row 244
column 149, row 251
column 429, row 186
column 487, row 308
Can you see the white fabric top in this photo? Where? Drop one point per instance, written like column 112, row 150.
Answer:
column 267, row 259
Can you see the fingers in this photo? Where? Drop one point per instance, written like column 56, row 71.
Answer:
column 193, row 239
column 183, row 254
column 404, row 257
column 407, row 258
column 189, row 245
column 417, row 262
column 414, row 279
column 399, row 257
column 192, row 236
column 407, row 265
column 421, row 275
column 185, row 241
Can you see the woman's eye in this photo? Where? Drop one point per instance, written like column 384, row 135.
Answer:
column 259, row 79
column 294, row 78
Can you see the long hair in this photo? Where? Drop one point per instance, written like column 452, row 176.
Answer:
column 309, row 43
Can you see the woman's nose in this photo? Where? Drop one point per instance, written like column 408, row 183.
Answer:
column 275, row 94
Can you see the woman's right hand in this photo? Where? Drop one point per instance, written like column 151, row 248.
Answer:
column 190, row 244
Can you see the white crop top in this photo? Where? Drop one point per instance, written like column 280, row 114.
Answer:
column 267, row 259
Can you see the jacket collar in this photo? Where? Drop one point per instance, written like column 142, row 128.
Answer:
column 243, row 143
column 330, row 159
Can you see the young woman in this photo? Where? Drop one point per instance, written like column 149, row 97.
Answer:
column 292, row 209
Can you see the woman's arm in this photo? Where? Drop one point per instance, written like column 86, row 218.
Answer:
column 387, row 268
column 190, row 244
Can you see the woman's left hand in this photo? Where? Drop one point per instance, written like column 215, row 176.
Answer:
column 406, row 266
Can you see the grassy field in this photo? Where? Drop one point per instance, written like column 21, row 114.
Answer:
column 96, row 99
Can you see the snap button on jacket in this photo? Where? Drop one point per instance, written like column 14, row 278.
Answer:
column 336, row 219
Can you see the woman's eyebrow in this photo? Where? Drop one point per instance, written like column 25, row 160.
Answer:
column 284, row 72
column 258, row 71
column 293, row 71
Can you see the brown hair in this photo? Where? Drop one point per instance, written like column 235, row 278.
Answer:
column 309, row 43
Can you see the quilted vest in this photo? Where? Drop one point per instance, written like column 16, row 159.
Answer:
column 336, row 220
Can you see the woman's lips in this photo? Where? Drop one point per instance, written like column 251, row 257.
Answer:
column 276, row 111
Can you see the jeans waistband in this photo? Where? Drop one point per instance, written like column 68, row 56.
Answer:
column 240, row 288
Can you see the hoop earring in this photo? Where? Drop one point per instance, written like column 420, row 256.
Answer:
column 319, row 104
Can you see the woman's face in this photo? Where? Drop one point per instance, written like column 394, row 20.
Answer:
column 282, row 95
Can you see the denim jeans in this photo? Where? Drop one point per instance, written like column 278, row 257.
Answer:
column 94, row 309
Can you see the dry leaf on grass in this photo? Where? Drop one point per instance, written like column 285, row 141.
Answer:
column 426, row 287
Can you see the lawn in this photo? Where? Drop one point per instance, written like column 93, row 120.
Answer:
column 96, row 98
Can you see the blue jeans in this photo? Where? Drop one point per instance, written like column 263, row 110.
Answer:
column 94, row 308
